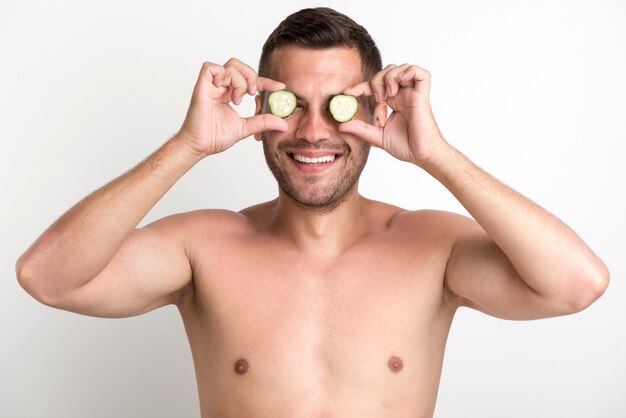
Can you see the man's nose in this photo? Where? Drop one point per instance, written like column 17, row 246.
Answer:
column 315, row 125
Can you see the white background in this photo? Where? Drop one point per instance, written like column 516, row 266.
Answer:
column 532, row 91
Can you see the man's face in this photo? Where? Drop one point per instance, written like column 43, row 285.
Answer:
column 312, row 161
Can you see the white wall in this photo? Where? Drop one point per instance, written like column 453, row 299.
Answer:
column 532, row 91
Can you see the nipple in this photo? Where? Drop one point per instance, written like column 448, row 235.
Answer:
column 395, row 364
column 241, row 366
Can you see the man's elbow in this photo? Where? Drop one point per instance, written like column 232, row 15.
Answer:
column 35, row 283
column 587, row 287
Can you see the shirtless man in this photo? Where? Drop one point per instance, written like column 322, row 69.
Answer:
column 320, row 303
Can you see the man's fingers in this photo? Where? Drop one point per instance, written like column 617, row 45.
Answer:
column 217, row 75
column 247, row 72
column 387, row 82
column 391, row 79
column 416, row 73
column 261, row 123
column 365, row 131
column 238, row 77
column 239, row 86
column 378, row 83
column 212, row 74
column 361, row 89
column 267, row 84
column 415, row 77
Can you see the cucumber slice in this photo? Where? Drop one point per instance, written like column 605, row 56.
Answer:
column 282, row 103
column 343, row 107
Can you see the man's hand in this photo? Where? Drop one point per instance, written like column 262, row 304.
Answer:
column 212, row 125
column 410, row 133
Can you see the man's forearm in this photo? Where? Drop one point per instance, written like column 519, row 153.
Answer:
column 82, row 242
column 543, row 250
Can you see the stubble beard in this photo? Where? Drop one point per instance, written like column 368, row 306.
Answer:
column 328, row 198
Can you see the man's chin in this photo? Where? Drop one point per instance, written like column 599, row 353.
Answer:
column 318, row 207
column 318, row 204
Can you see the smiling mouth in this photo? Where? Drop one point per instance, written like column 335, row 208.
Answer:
column 322, row 159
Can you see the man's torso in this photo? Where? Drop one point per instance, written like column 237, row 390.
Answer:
column 280, row 331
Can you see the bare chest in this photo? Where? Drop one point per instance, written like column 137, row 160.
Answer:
column 273, row 329
column 285, row 307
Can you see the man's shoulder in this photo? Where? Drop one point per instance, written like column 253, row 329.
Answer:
column 431, row 216
column 414, row 217
column 201, row 222
column 429, row 223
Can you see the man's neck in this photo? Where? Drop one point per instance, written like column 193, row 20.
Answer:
column 320, row 232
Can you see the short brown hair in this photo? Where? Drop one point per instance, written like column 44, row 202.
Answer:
column 321, row 28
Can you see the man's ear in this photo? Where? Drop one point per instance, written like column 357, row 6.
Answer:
column 381, row 114
column 257, row 111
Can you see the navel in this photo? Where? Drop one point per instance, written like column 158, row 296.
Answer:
column 395, row 364
column 241, row 366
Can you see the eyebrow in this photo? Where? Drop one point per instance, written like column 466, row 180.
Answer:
column 327, row 98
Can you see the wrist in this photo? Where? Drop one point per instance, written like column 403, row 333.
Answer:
column 438, row 155
column 445, row 164
column 181, row 144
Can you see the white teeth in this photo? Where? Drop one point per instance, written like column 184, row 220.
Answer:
column 316, row 160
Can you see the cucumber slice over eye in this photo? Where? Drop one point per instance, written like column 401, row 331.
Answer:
column 343, row 107
column 282, row 103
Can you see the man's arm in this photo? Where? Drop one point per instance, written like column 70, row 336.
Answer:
column 93, row 260
column 518, row 261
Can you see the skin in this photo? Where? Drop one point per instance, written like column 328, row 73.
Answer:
column 297, row 308
column 310, row 133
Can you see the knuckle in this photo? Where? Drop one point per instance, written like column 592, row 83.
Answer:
column 239, row 81
column 246, row 68
column 389, row 77
column 249, row 73
column 211, row 69
column 425, row 72
column 211, row 66
column 379, row 75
